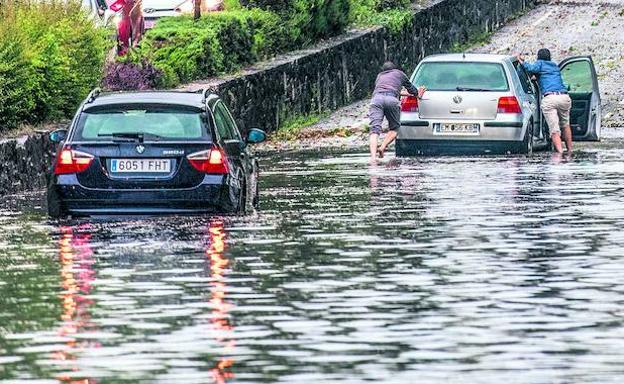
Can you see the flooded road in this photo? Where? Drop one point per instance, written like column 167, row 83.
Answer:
column 432, row 270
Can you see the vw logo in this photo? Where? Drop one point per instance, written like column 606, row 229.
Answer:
column 457, row 99
column 149, row 10
column 140, row 148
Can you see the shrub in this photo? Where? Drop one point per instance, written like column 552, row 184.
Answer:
column 308, row 20
column 51, row 55
column 184, row 49
column 125, row 76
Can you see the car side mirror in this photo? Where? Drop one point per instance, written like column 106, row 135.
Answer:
column 255, row 136
column 58, row 136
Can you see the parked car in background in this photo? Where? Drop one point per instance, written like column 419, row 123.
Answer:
column 155, row 9
column 482, row 103
column 153, row 152
column 99, row 12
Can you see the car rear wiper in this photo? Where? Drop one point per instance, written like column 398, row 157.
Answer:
column 468, row 89
column 140, row 136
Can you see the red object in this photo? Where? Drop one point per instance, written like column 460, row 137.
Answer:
column 509, row 104
column 131, row 25
column 69, row 161
column 210, row 161
column 409, row 104
column 117, row 5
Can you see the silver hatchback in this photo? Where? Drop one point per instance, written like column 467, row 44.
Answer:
column 481, row 103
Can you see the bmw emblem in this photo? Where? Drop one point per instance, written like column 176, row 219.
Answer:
column 457, row 99
column 140, row 148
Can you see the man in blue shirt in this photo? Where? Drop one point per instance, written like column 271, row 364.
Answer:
column 556, row 103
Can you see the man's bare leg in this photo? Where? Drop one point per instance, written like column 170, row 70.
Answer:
column 567, row 137
column 556, row 140
column 373, row 146
column 390, row 137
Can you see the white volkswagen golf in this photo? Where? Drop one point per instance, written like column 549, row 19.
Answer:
column 480, row 103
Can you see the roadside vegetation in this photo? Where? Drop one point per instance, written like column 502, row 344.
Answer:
column 182, row 49
column 52, row 54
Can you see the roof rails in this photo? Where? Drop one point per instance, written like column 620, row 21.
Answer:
column 205, row 93
column 93, row 95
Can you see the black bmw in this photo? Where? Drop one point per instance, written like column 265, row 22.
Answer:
column 153, row 152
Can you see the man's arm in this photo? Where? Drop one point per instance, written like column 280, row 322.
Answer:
column 409, row 86
column 532, row 68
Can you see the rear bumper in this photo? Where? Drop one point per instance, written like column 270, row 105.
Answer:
column 501, row 136
column 489, row 131
column 213, row 195
column 456, row 147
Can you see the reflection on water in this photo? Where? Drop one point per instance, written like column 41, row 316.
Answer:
column 220, row 318
column 467, row 270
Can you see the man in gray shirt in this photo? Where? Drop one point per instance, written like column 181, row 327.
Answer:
column 385, row 102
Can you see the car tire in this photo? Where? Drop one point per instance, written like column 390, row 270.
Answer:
column 242, row 199
column 55, row 207
column 527, row 143
column 256, row 199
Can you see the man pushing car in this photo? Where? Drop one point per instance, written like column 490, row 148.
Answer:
column 556, row 103
column 386, row 103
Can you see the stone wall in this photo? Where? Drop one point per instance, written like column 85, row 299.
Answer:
column 344, row 69
column 25, row 163
column 329, row 76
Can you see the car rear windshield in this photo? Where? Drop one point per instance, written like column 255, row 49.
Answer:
column 461, row 76
column 174, row 123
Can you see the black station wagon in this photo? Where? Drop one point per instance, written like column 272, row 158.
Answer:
column 152, row 153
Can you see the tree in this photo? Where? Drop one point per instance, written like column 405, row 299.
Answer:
column 197, row 9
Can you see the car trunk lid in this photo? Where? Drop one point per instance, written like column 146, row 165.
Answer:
column 136, row 165
column 459, row 105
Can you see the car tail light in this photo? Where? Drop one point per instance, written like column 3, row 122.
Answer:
column 409, row 104
column 508, row 104
column 117, row 5
column 210, row 161
column 70, row 161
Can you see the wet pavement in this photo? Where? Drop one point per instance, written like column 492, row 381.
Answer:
column 431, row 270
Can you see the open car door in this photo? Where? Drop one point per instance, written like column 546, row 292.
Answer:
column 579, row 74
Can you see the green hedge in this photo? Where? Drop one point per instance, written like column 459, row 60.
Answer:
column 51, row 55
column 220, row 42
column 308, row 20
column 185, row 49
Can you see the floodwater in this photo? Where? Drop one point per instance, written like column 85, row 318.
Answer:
column 431, row 270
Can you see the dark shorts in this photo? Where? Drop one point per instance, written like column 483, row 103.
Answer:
column 384, row 105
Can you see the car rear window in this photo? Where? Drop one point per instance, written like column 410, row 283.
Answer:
column 457, row 76
column 162, row 122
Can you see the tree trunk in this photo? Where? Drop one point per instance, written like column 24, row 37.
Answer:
column 197, row 9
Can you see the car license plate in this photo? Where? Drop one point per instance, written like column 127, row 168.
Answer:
column 456, row 129
column 149, row 24
column 140, row 166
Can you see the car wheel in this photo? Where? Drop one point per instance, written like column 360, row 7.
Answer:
column 55, row 207
column 256, row 199
column 527, row 143
column 399, row 149
column 242, row 196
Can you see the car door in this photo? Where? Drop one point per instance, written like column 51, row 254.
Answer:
column 579, row 75
column 531, row 97
column 232, row 142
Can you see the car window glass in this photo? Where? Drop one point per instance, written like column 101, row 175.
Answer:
column 578, row 77
column 230, row 126
column 524, row 79
column 222, row 126
column 449, row 76
column 167, row 123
